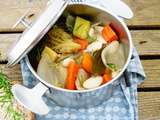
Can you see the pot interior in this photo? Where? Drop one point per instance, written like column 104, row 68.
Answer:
column 93, row 14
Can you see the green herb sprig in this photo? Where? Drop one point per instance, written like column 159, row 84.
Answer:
column 7, row 99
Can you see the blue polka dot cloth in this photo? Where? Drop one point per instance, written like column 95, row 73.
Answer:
column 121, row 106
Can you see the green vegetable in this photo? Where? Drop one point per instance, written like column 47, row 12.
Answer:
column 7, row 99
column 81, row 28
column 70, row 21
column 62, row 42
column 91, row 39
column 98, row 66
column 112, row 66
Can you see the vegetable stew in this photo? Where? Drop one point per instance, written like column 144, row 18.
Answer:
column 79, row 54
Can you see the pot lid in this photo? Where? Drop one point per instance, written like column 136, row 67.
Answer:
column 33, row 34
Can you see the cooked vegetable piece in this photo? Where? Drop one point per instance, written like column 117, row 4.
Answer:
column 108, row 34
column 78, row 85
column 78, row 58
column 98, row 66
column 50, row 71
column 70, row 21
column 115, row 73
column 113, row 55
column 94, row 46
column 83, row 43
column 92, row 35
column 67, row 61
column 107, row 78
column 100, row 38
column 93, row 82
column 87, row 62
column 107, row 71
column 53, row 55
column 81, row 28
column 112, row 66
column 62, row 42
column 82, row 76
column 72, row 72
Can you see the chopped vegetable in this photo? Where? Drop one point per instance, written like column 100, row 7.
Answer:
column 98, row 66
column 82, row 76
column 78, row 85
column 50, row 71
column 66, row 61
column 93, row 82
column 72, row 72
column 107, row 78
column 82, row 43
column 92, row 35
column 70, row 21
column 62, row 42
column 107, row 71
column 110, row 54
column 78, row 58
column 87, row 62
column 94, row 46
column 108, row 34
column 115, row 73
column 81, row 28
column 112, row 66
column 91, row 39
column 53, row 55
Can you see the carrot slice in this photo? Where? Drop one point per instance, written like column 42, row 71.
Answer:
column 106, row 78
column 107, row 71
column 87, row 62
column 72, row 72
column 108, row 34
column 82, row 42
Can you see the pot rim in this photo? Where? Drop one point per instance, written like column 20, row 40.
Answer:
column 90, row 90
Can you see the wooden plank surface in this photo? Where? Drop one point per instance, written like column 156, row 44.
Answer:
column 143, row 40
column 152, row 70
column 6, row 41
column 13, row 74
column 12, row 10
column 149, row 105
column 147, row 42
column 146, row 12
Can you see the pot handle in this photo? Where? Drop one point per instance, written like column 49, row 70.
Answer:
column 31, row 98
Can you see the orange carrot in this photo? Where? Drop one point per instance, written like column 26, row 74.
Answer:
column 106, row 78
column 72, row 72
column 82, row 42
column 107, row 71
column 87, row 62
column 108, row 34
